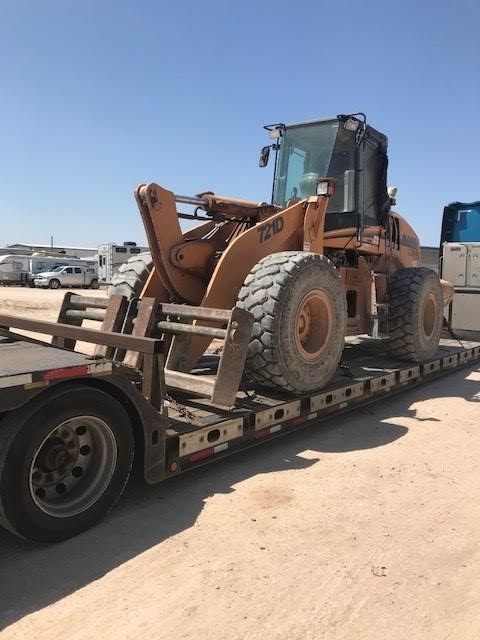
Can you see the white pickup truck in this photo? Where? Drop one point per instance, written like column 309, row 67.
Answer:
column 66, row 276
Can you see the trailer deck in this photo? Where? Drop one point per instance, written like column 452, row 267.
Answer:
column 194, row 429
column 197, row 431
column 26, row 367
column 21, row 358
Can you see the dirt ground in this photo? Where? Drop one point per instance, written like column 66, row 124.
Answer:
column 363, row 528
column 43, row 304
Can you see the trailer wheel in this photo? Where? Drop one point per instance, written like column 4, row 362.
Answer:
column 299, row 306
column 94, row 284
column 131, row 276
column 64, row 461
column 54, row 284
column 415, row 314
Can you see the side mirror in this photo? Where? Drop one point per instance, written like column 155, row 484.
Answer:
column 264, row 155
column 349, row 191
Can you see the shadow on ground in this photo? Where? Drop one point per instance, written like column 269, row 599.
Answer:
column 32, row 576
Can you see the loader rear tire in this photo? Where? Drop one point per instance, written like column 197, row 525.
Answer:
column 415, row 314
column 131, row 276
column 299, row 308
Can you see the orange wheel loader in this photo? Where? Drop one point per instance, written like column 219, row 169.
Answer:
column 327, row 258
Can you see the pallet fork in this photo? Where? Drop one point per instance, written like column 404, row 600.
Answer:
column 150, row 318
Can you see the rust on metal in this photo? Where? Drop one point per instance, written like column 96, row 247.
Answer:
column 113, row 321
column 182, row 328
column 143, row 327
column 140, row 344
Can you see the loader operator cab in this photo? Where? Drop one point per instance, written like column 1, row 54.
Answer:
column 345, row 148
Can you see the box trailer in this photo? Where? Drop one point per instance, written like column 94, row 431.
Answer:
column 460, row 264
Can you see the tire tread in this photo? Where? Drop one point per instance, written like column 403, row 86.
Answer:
column 405, row 287
column 261, row 294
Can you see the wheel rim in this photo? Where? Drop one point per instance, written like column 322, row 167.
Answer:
column 73, row 466
column 54, row 284
column 313, row 324
column 429, row 315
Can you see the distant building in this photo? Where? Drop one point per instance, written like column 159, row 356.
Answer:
column 78, row 252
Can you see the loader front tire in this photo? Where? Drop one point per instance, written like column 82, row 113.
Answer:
column 131, row 276
column 415, row 314
column 299, row 308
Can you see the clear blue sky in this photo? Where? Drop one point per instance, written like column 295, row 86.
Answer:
column 97, row 97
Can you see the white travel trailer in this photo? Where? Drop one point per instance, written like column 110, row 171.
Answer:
column 111, row 256
column 14, row 269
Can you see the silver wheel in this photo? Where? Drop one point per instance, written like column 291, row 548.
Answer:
column 73, row 466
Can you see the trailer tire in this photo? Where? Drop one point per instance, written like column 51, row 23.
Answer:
column 415, row 314
column 299, row 308
column 64, row 461
column 94, row 284
column 132, row 276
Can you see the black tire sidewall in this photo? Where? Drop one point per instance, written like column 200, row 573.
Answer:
column 23, row 516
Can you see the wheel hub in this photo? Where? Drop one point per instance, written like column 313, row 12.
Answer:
column 54, row 455
column 304, row 322
column 429, row 315
column 73, row 466
column 313, row 325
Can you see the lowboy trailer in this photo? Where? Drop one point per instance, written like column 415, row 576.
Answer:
column 71, row 424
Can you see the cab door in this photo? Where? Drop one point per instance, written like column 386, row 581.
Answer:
column 68, row 277
column 78, row 277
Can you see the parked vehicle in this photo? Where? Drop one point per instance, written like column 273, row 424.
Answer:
column 460, row 263
column 111, row 256
column 14, row 269
column 20, row 269
column 41, row 263
column 67, row 276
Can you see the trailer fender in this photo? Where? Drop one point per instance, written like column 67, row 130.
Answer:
column 149, row 425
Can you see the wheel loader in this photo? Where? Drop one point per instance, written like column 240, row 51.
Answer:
column 325, row 259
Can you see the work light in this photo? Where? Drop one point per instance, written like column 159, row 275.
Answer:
column 322, row 188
